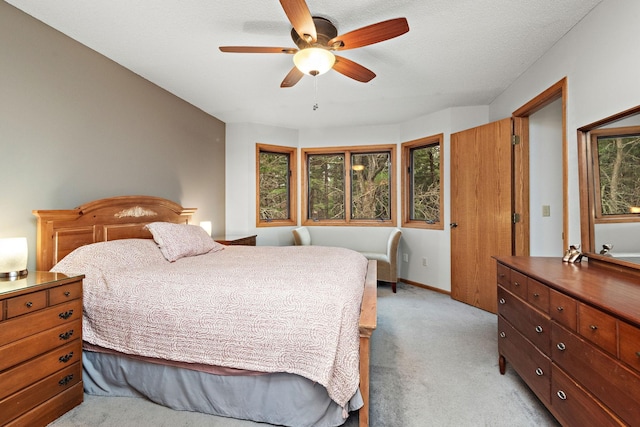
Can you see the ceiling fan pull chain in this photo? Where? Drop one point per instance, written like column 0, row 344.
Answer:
column 315, row 86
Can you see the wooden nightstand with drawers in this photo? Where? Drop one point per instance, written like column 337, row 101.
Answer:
column 230, row 240
column 40, row 348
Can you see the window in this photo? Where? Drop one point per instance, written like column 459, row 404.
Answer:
column 349, row 185
column 276, row 184
column 616, row 156
column 422, row 183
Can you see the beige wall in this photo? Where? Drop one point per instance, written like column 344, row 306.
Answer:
column 75, row 127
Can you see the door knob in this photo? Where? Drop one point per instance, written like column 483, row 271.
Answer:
column 453, row 225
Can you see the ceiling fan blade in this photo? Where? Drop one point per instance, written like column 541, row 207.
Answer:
column 374, row 33
column 292, row 78
column 353, row 69
column 300, row 17
column 257, row 49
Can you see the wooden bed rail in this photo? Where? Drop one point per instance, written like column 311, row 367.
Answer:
column 368, row 323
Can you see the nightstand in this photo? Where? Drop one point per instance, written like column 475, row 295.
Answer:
column 236, row 240
column 40, row 348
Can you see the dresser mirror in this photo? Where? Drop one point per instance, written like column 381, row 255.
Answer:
column 609, row 173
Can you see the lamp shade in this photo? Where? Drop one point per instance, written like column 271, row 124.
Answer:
column 13, row 257
column 207, row 226
column 314, row 60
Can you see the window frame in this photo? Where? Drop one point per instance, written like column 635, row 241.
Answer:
column 292, row 152
column 598, row 217
column 407, row 175
column 347, row 152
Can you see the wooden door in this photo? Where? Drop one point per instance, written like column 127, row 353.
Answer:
column 481, row 210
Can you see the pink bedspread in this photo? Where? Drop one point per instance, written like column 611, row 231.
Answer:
column 270, row 309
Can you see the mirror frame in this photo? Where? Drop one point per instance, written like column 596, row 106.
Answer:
column 587, row 202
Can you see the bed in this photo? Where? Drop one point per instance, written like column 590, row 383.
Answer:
column 301, row 385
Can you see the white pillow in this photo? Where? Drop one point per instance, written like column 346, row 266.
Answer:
column 182, row 240
column 115, row 255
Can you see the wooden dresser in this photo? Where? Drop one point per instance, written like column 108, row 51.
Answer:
column 40, row 348
column 572, row 333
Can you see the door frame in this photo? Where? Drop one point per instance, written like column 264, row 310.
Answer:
column 521, row 232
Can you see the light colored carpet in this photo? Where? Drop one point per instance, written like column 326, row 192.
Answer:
column 434, row 363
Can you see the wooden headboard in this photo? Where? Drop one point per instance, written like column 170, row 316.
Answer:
column 61, row 231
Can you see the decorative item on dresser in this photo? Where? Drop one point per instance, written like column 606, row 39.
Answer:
column 243, row 240
column 40, row 348
column 572, row 332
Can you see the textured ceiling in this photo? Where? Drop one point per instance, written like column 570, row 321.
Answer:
column 457, row 53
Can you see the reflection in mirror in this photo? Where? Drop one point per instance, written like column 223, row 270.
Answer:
column 616, row 167
column 609, row 152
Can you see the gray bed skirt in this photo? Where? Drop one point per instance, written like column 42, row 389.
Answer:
column 279, row 398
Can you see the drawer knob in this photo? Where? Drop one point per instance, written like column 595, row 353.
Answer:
column 503, row 335
column 536, row 295
column 65, row 315
column 638, row 353
column 66, row 335
column 539, row 372
column 562, row 395
column 539, row 329
column 29, row 304
column 503, row 301
column 561, row 346
column 560, row 308
column 516, row 284
column 66, row 380
column 593, row 327
column 66, row 357
column 67, row 293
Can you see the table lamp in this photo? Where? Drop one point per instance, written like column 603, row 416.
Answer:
column 13, row 257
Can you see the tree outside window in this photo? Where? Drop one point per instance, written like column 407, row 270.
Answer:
column 276, row 184
column 422, row 183
column 349, row 185
column 617, row 172
column 326, row 186
column 370, row 186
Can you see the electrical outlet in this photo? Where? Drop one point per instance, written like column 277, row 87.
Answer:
column 424, row 261
column 405, row 257
column 546, row 210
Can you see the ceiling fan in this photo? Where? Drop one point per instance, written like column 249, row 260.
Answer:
column 317, row 39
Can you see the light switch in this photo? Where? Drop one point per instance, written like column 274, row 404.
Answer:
column 546, row 210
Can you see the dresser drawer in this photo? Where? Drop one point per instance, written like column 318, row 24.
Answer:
column 518, row 284
column 53, row 408
column 21, row 327
column 563, row 309
column 598, row 327
column 531, row 323
column 572, row 405
column 29, row 303
column 531, row 364
column 629, row 338
column 34, row 370
column 504, row 275
column 37, row 393
column 33, row 345
column 615, row 385
column 538, row 295
column 65, row 293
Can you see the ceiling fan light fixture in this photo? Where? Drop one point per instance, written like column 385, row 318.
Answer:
column 314, row 60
